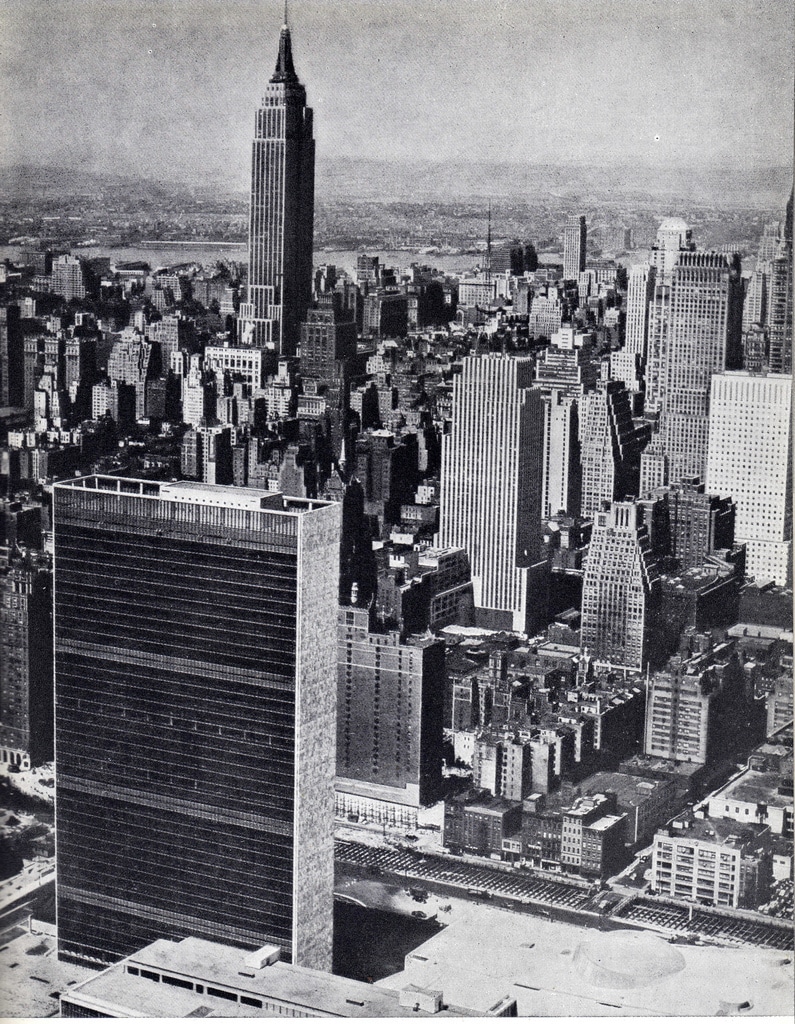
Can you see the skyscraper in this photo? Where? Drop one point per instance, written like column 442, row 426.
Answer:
column 608, row 447
column 704, row 337
column 750, row 460
column 491, row 487
column 281, row 216
column 620, row 588
column 633, row 356
column 574, row 238
column 195, row 652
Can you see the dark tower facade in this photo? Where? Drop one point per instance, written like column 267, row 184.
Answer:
column 281, row 218
column 195, row 652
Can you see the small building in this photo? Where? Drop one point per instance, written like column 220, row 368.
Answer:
column 477, row 823
column 647, row 803
column 714, row 861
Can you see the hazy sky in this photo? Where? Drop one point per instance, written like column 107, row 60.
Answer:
column 168, row 89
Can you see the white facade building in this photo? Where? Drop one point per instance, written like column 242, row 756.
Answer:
column 749, row 458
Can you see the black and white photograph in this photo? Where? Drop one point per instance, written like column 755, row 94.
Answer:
column 396, row 556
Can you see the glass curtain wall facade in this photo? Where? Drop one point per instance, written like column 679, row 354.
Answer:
column 195, row 635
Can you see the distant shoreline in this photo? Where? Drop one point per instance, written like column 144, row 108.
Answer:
column 154, row 242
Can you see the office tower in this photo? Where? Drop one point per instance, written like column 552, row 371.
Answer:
column 657, row 344
column 26, row 661
column 574, row 238
column 206, row 453
column 640, row 291
column 195, row 637
column 756, row 348
column 698, row 523
column 12, row 368
column 673, row 238
column 756, row 294
column 240, row 363
column 750, row 460
column 328, row 340
column 779, row 313
column 491, row 487
column 561, row 481
column 703, row 338
column 608, row 447
column 697, row 707
column 620, row 589
column 282, row 212
column 562, row 376
column 390, row 697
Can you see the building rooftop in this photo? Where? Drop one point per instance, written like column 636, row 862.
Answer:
column 753, row 786
column 604, row 823
column 630, row 790
column 194, row 492
column 720, row 831
column 555, row 969
column 207, row 968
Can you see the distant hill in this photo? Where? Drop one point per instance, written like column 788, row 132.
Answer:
column 384, row 181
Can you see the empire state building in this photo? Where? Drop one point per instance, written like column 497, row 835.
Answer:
column 282, row 212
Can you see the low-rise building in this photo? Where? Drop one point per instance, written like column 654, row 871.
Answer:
column 713, row 861
column 197, row 978
column 647, row 803
column 477, row 823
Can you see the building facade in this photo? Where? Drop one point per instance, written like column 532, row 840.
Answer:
column 750, row 460
column 574, row 239
column 491, row 486
column 195, row 634
column 281, row 217
column 620, row 589
column 390, row 696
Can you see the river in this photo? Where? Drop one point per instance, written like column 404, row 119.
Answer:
column 166, row 254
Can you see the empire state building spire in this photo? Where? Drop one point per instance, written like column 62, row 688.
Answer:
column 281, row 219
column 285, row 69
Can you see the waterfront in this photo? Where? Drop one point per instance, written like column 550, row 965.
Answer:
column 167, row 254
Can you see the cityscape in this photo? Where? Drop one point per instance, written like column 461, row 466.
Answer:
column 396, row 520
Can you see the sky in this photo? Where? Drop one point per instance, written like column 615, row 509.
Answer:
column 167, row 90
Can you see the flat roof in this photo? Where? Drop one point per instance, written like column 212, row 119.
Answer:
column 753, row 786
column 556, row 969
column 195, row 492
column 224, row 967
column 631, row 790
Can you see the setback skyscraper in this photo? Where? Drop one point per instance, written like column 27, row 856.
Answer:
column 281, row 216
column 491, row 488
column 195, row 656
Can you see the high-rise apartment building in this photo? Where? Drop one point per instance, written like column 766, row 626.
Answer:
column 697, row 705
column 282, row 212
column 750, row 460
column 620, row 589
column 26, row 662
column 12, row 368
column 704, row 337
column 68, row 277
column 491, row 487
column 195, row 637
column 574, row 239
